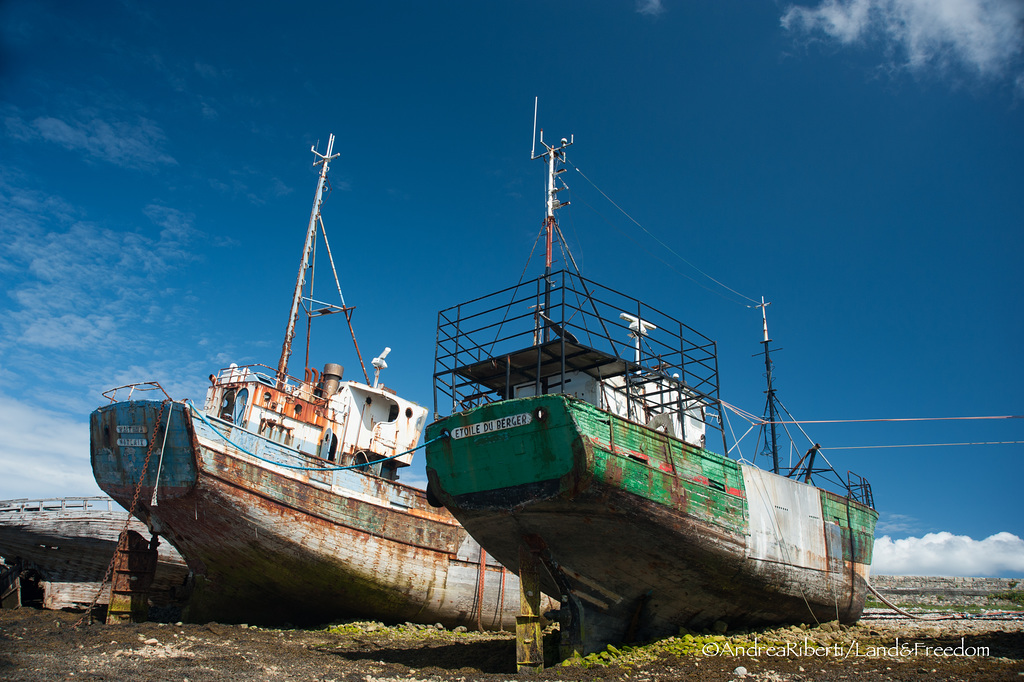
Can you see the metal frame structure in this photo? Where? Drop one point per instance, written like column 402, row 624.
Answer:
column 544, row 329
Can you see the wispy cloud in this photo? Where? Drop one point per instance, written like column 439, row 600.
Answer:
column 135, row 143
column 945, row 554
column 43, row 453
column 982, row 37
column 896, row 523
column 73, row 285
column 650, row 7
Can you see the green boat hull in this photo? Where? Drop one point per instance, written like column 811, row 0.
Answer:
column 641, row 533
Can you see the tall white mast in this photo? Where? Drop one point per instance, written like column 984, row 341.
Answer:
column 300, row 282
column 553, row 155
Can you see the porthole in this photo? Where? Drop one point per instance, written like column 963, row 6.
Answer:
column 540, row 414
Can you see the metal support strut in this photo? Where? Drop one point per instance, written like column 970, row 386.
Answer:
column 529, row 639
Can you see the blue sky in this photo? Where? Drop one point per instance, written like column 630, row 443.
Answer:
column 856, row 162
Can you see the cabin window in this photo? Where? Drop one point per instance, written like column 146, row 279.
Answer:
column 266, row 398
column 298, row 410
column 408, row 413
column 241, row 402
column 393, row 413
column 227, row 405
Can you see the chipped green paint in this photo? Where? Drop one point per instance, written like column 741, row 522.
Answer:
column 568, row 440
column 667, row 471
column 857, row 522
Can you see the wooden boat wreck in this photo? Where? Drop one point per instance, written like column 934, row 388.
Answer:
column 282, row 494
column 574, row 448
column 64, row 547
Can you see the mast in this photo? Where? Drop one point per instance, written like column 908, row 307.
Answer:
column 300, row 281
column 554, row 156
column 770, row 413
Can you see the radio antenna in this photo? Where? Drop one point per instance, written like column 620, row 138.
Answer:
column 533, row 149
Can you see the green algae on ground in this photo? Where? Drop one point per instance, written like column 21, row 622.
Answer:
column 826, row 638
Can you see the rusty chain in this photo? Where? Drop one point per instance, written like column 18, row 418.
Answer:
column 131, row 512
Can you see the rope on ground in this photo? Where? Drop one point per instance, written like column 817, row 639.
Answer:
column 892, row 606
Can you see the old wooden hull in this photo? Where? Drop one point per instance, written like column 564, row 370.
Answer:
column 641, row 533
column 273, row 544
column 69, row 543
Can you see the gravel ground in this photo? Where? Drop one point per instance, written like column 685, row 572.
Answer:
column 46, row 645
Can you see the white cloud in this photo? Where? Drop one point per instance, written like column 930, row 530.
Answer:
column 649, row 7
column 43, row 453
column 945, row 554
column 130, row 144
column 896, row 523
column 984, row 37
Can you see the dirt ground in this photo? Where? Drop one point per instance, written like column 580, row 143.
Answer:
column 46, row 645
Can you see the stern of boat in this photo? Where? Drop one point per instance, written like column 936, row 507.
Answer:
column 143, row 441
column 533, row 453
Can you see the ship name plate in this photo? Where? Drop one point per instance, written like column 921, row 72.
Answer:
column 499, row 424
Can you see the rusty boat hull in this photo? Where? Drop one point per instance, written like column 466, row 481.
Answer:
column 642, row 533
column 67, row 545
column 273, row 537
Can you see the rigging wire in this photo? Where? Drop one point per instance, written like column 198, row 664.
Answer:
column 920, row 445
column 895, row 419
column 667, row 264
column 748, row 416
column 659, row 241
column 755, row 421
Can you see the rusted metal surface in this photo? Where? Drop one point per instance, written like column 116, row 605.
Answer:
column 273, row 544
column 529, row 641
column 68, row 543
column 643, row 532
column 134, row 569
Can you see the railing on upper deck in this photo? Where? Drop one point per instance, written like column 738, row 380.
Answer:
column 127, row 392
column 542, row 330
column 60, row 505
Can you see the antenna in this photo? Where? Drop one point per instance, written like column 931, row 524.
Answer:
column 553, row 155
column 323, row 160
column 379, row 364
column 533, row 149
column 770, row 414
column 637, row 328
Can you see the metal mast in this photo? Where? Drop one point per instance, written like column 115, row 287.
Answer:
column 770, row 413
column 300, row 281
column 553, row 156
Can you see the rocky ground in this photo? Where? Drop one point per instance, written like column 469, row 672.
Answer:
column 47, row 645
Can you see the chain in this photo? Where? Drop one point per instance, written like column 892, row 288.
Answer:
column 122, row 536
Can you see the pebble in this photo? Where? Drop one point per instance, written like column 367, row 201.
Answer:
column 741, row 671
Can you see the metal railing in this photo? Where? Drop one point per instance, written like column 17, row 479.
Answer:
column 59, row 505
column 543, row 330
